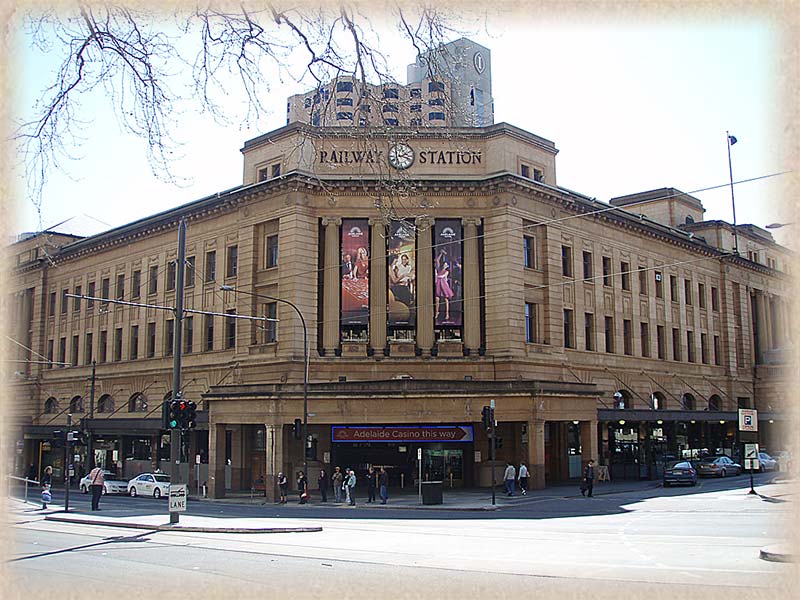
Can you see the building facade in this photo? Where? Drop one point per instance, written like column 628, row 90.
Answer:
column 436, row 271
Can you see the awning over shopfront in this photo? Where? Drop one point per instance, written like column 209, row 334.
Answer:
column 605, row 414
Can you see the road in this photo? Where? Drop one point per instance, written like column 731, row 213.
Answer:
column 705, row 539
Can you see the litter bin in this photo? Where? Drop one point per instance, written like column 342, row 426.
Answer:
column 432, row 492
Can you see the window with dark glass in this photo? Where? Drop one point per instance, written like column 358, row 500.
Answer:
column 529, row 250
column 208, row 332
column 76, row 302
column 344, row 86
column 118, row 344
column 230, row 329
column 587, row 266
column 49, row 354
column 188, row 335
column 436, row 102
column 436, row 116
column 271, row 251
column 625, row 275
column 102, row 350
column 344, row 116
column 90, row 292
column 153, row 285
column 169, row 341
column 390, row 108
column 75, row 342
column 627, row 337
column 531, row 328
column 415, row 108
column 120, row 286
column 690, row 346
column 134, row 351
column 659, row 284
column 136, row 284
column 644, row 335
column 188, row 277
column 704, row 348
column 416, row 93
column 609, row 334
column 717, row 355
column 151, row 340
column 676, row 344
column 525, row 170
column 569, row 329
column 391, row 93
column 392, row 122
column 588, row 331
column 435, row 86
column 566, row 261
column 64, row 301
column 51, row 311
column 344, row 102
column 232, row 265
column 701, row 295
column 211, row 265
column 607, row 271
column 105, row 290
column 714, row 299
column 172, row 275
column 271, row 327
column 687, row 291
column 88, row 349
column 673, row 288
column 642, row 280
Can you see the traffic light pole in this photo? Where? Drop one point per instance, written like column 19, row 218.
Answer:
column 175, row 439
column 67, row 461
column 493, row 449
column 87, row 430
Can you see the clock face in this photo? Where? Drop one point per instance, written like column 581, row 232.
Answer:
column 401, row 156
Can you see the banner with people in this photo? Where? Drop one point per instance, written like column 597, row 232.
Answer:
column 401, row 264
column 447, row 273
column 355, row 272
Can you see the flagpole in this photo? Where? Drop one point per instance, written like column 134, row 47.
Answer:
column 733, row 201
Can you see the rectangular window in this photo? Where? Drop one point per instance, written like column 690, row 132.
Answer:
column 673, row 288
column 529, row 257
column 704, row 348
column 643, row 280
column 701, row 295
column 538, row 175
column 208, row 333
column 344, row 86
column 566, row 261
column 344, row 102
column 607, row 271
column 271, row 327
column 49, row 354
column 172, row 275
column 51, row 310
column 64, row 301
column 120, row 291
column 659, row 284
column 151, row 340
column 661, row 342
column 676, row 344
column 275, row 170
column 188, row 335
column 344, row 116
column 62, row 351
column 75, row 342
column 188, row 274
column 687, row 291
column 134, row 350
column 105, row 290
column 569, row 329
column 624, row 269
column 118, row 344
column 588, row 331
column 531, row 328
column 644, row 336
column 587, row 266
column 169, row 342
column 435, row 86
column 88, row 349
column 271, row 251
column 102, row 351
column 153, row 287
column 714, row 299
column 230, row 330
column 416, row 108
column 436, row 116
column 76, row 302
column 416, row 93
column 90, row 292
column 717, row 355
column 211, row 265
column 627, row 337
column 690, row 346
column 609, row 334
column 232, row 264
column 390, row 93
column 525, row 171
column 136, row 285
column 436, row 102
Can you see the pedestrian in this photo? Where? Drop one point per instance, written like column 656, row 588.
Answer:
column 97, row 479
column 588, row 479
column 371, row 481
column 337, row 479
column 323, row 485
column 47, row 481
column 283, row 486
column 383, row 484
column 523, row 478
column 351, row 488
column 302, row 487
column 510, row 476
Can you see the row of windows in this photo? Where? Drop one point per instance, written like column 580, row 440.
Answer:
column 387, row 93
column 348, row 116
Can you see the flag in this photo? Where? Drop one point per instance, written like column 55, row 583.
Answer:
column 732, row 139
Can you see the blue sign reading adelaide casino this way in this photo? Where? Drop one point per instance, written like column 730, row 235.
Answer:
column 402, row 433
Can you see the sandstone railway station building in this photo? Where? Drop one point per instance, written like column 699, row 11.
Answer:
column 448, row 270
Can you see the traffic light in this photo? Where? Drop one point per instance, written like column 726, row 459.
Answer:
column 191, row 415
column 59, row 439
column 174, row 414
column 487, row 417
column 297, row 429
column 78, row 438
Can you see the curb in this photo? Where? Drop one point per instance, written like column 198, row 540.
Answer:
column 186, row 528
column 776, row 554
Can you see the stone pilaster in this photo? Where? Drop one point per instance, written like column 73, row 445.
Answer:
column 472, row 288
column 377, row 286
column 274, row 460
column 536, row 456
column 331, row 279
column 216, row 460
column 424, row 296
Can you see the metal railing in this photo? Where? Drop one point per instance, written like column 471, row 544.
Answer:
column 12, row 483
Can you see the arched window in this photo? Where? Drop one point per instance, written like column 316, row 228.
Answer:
column 137, row 403
column 715, row 403
column 658, row 401
column 623, row 399
column 76, row 405
column 688, row 402
column 689, row 219
column 105, row 404
column 50, row 405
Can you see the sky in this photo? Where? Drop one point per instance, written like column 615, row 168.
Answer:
column 633, row 102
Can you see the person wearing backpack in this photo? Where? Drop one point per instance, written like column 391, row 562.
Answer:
column 97, row 479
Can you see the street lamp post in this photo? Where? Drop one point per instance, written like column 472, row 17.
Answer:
column 230, row 288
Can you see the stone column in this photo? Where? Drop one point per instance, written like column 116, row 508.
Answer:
column 536, row 453
column 424, row 279
column 216, row 460
column 471, row 286
column 331, row 279
column 377, row 286
column 589, row 442
column 761, row 323
column 274, row 460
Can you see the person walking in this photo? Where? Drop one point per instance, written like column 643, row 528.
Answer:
column 588, row 479
column 523, row 478
column 97, row 479
column 283, row 486
column 510, row 476
column 302, row 487
column 337, row 479
column 323, row 485
column 383, row 484
column 371, row 481
column 351, row 487
column 47, row 481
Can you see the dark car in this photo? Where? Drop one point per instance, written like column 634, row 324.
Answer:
column 718, row 466
column 680, row 471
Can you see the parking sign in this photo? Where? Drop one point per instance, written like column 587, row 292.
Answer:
column 748, row 419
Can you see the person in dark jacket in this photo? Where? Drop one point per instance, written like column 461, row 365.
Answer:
column 302, row 487
column 371, row 485
column 47, row 481
column 383, row 484
column 323, row 485
column 283, row 486
column 588, row 479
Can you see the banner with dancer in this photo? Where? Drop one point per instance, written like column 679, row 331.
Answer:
column 401, row 264
column 355, row 271
column 447, row 273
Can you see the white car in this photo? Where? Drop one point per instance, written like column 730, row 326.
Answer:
column 149, row 484
column 112, row 484
column 766, row 462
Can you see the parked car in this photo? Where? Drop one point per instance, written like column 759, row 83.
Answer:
column 718, row 466
column 149, row 484
column 766, row 462
column 680, row 471
column 112, row 484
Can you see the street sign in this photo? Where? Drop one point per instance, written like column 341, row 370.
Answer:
column 177, row 497
column 748, row 419
column 419, row 453
column 751, row 463
column 751, row 451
